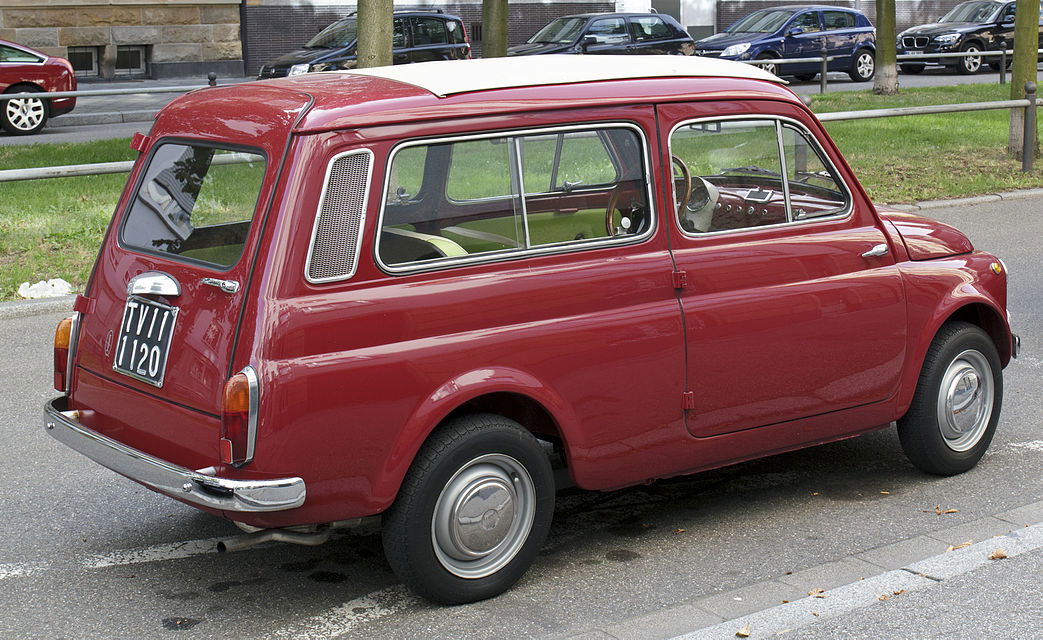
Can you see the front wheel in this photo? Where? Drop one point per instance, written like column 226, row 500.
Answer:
column 969, row 65
column 863, row 66
column 23, row 116
column 770, row 67
column 473, row 511
column 957, row 403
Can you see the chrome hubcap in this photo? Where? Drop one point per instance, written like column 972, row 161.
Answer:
column 483, row 516
column 24, row 114
column 865, row 65
column 965, row 400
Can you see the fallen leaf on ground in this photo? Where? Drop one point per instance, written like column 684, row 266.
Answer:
column 998, row 554
column 814, row 613
column 815, row 493
column 886, row 493
column 899, row 592
column 816, row 591
column 886, row 596
column 939, row 511
column 954, row 547
column 744, row 632
column 680, row 530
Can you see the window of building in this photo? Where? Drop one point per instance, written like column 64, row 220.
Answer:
column 131, row 60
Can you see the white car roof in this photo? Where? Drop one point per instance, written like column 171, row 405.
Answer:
column 445, row 78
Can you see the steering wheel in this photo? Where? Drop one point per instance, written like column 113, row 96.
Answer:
column 687, row 181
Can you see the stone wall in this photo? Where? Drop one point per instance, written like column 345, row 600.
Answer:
column 182, row 37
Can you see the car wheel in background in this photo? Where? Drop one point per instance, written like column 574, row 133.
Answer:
column 969, row 64
column 863, row 66
column 769, row 67
column 954, row 412
column 23, row 116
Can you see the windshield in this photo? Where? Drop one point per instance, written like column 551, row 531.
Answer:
column 972, row 12
column 561, row 31
column 766, row 21
column 339, row 34
column 196, row 202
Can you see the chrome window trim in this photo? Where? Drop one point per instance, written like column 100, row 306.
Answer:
column 514, row 254
column 318, row 215
column 799, row 127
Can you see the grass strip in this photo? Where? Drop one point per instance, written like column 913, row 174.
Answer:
column 51, row 228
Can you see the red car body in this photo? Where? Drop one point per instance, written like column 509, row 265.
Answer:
column 23, row 69
column 644, row 360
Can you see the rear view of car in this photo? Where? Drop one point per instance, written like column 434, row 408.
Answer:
column 417, row 36
column 25, row 70
column 799, row 32
column 609, row 33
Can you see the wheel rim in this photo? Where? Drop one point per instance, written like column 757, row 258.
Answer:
column 24, row 114
column 865, row 65
column 965, row 400
column 771, row 68
column 972, row 63
column 483, row 516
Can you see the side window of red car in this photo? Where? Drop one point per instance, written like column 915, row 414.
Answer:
column 10, row 54
column 739, row 174
column 482, row 197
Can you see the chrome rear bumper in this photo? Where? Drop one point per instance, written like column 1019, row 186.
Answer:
column 162, row 476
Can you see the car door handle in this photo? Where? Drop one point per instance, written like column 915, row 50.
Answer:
column 876, row 251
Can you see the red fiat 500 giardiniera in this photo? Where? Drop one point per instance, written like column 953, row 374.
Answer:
column 634, row 267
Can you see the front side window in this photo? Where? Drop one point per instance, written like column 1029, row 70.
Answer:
column 195, row 202
column 10, row 54
column 609, row 31
column 499, row 195
column 808, row 22
column 740, row 174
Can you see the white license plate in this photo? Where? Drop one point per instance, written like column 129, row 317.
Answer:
column 144, row 340
column 914, row 53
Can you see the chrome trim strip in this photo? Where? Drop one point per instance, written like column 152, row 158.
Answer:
column 74, row 338
column 513, row 254
column 362, row 217
column 154, row 283
column 251, row 422
column 159, row 475
column 800, row 129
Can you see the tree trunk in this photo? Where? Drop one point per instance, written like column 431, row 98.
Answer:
column 1026, row 40
column 494, row 28
column 375, row 25
column 886, row 82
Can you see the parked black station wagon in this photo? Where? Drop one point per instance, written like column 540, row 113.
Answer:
column 609, row 33
column 978, row 25
column 419, row 36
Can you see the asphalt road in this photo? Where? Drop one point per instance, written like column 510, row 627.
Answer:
column 88, row 554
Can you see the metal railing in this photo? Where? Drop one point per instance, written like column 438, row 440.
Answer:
column 1029, row 104
column 50, row 95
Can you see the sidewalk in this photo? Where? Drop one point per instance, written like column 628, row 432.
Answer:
column 129, row 107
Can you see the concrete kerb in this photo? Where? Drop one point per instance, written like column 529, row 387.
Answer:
column 23, row 308
column 105, row 117
column 850, row 583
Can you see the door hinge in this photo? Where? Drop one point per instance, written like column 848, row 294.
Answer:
column 83, row 305
column 680, row 279
column 688, row 400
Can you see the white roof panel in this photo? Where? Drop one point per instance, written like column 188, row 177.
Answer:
column 445, row 78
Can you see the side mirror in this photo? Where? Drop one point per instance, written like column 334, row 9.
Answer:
column 795, row 31
column 586, row 42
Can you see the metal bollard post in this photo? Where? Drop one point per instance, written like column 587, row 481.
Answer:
column 1028, row 149
column 211, row 79
column 825, row 66
column 1003, row 62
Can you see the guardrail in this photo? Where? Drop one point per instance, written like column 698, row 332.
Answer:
column 211, row 82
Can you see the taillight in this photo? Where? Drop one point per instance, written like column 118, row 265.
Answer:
column 239, row 418
column 63, row 337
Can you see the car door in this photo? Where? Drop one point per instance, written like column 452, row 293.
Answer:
column 430, row 39
column 793, row 305
column 802, row 38
column 609, row 35
column 839, row 36
column 652, row 36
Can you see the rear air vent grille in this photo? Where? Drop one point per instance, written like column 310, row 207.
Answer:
column 336, row 237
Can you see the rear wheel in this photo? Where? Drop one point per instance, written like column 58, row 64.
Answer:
column 473, row 511
column 957, row 404
column 23, row 116
column 912, row 68
column 863, row 66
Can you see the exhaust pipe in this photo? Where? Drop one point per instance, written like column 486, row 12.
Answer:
column 317, row 535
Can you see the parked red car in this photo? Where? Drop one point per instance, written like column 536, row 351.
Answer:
column 25, row 70
column 631, row 268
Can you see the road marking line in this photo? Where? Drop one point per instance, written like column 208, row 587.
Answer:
column 19, row 569
column 343, row 618
column 865, row 593
column 154, row 553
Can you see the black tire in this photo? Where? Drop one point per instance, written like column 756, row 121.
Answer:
column 24, row 116
column 863, row 66
column 971, row 64
column 805, row 77
column 961, row 365
column 489, row 458
column 770, row 68
column 912, row 68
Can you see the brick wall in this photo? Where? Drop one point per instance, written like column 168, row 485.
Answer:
column 270, row 31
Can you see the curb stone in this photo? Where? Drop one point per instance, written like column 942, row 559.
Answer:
column 22, row 308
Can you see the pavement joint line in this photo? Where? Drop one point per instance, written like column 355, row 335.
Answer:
column 868, row 592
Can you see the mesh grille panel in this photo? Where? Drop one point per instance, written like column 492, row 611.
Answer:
column 334, row 249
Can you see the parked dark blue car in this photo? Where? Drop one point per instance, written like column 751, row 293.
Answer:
column 799, row 32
